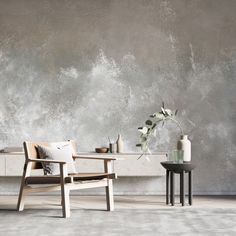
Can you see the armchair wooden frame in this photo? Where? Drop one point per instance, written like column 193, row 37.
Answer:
column 63, row 182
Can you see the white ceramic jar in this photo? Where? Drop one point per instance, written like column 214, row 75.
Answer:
column 185, row 145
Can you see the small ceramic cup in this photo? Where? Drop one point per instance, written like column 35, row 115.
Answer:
column 113, row 147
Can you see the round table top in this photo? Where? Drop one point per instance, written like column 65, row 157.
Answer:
column 178, row 167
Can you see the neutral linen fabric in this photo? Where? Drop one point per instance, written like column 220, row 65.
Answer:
column 62, row 153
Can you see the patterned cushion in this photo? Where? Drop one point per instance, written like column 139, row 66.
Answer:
column 61, row 153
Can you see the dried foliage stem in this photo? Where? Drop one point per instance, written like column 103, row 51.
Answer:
column 150, row 125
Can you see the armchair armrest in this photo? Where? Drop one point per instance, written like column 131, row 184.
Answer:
column 95, row 157
column 47, row 161
column 63, row 166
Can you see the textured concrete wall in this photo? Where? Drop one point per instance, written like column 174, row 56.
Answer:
column 88, row 69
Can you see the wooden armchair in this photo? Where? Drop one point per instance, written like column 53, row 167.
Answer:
column 63, row 182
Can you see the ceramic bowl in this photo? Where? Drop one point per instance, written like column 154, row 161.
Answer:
column 102, row 150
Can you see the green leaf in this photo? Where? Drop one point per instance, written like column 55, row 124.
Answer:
column 163, row 111
column 168, row 112
column 148, row 122
column 143, row 130
column 160, row 116
column 143, row 139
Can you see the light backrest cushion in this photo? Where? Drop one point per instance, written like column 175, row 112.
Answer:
column 61, row 153
column 63, row 143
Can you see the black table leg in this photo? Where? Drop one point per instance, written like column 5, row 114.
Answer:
column 172, row 187
column 182, row 195
column 167, row 186
column 190, row 196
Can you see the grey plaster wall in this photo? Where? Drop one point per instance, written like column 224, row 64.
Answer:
column 86, row 69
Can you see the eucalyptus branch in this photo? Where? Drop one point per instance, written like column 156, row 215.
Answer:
column 151, row 124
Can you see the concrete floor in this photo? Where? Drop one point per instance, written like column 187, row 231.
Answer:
column 121, row 202
column 133, row 216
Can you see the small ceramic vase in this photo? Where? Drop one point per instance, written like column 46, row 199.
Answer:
column 120, row 144
column 185, row 145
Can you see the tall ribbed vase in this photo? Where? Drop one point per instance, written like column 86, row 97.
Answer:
column 185, row 145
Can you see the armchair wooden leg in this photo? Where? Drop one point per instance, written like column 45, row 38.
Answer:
column 23, row 191
column 109, row 195
column 65, row 193
column 109, row 188
column 21, row 199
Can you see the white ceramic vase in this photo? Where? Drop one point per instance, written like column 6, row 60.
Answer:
column 120, row 144
column 185, row 145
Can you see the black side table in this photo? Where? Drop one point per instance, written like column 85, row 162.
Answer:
column 178, row 168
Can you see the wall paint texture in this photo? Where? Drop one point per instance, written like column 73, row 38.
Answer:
column 88, row 69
